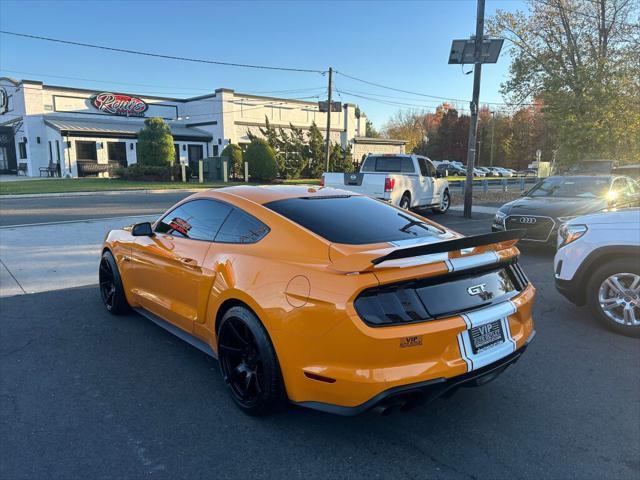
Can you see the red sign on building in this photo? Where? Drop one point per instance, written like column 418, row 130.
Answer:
column 117, row 104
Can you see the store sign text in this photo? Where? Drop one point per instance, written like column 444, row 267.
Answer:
column 117, row 104
column 4, row 101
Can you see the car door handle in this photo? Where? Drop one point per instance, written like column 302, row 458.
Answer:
column 189, row 262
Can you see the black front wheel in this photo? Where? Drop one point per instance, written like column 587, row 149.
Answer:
column 249, row 364
column 111, row 289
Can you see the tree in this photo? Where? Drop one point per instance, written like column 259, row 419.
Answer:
column 580, row 59
column 155, row 143
column 371, row 132
column 262, row 161
column 236, row 162
column 340, row 159
column 316, row 152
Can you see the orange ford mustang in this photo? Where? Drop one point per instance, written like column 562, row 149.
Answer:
column 330, row 300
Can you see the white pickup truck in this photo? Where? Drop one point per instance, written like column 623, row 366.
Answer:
column 408, row 181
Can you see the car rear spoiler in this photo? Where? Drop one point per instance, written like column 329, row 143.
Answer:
column 451, row 245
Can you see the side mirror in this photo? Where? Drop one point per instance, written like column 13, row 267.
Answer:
column 142, row 230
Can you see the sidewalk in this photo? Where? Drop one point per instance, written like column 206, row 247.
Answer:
column 52, row 257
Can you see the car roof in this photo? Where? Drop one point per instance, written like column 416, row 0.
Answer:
column 268, row 193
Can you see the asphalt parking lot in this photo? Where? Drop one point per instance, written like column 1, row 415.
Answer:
column 87, row 395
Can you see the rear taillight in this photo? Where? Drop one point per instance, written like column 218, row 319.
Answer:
column 389, row 183
column 322, row 181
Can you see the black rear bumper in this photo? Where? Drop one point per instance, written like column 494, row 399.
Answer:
column 405, row 397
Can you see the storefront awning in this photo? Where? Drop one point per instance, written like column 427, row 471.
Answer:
column 125, row 128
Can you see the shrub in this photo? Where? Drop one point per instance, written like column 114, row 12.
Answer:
column 236, row 162
column 262, row 161
column 155, row 143
column 150, row 173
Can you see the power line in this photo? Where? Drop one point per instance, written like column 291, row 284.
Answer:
column 158, row 55
column 398, row 89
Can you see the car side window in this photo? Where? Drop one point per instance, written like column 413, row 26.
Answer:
column 426, row 167
column 240, row 227
column 423, row 167
column 407, row 165
column 369, row 165
column 196, row 220
column 430, row 168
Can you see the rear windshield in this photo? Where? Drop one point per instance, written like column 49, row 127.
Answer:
column 355, row 220
column 388, row 164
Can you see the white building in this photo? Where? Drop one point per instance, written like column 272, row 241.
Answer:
column 77, row 132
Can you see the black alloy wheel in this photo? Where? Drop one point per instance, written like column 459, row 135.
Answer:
column 111, row 289
column 248, row 363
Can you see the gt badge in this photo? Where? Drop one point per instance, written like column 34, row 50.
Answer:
column 410, row 342
column 477, row 289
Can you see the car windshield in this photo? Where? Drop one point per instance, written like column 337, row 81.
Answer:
column 356, row 220
column 576, row 187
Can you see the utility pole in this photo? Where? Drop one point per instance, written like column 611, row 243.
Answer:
column 328, row 145
column 473, row 127
column 493, row 132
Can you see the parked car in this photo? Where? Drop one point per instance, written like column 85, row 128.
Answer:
column 503, row 172
column 408, row 181
column 598, row 264
column 554, row 200
column 303, row 293
column 479, row 173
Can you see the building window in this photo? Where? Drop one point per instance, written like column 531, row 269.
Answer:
column 86, row 150
column 117, row 152
column 215, row 150
column 22, row 148
column 176, row 147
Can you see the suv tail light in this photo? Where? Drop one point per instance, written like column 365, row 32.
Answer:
column 389, row 183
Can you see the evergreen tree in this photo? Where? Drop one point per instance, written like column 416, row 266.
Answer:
column 155, row 143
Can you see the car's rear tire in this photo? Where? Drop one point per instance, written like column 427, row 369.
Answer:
column 111, row 289
column 613, row 296
column 405, row 202
column 249, row 364
column 445, row 203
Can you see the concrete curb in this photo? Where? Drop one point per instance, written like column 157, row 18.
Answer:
column 105, row 192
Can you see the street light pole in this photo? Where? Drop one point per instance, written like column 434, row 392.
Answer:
column 473, row 126
column 328, row 144
column 493, row 132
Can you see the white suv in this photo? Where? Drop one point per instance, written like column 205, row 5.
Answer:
column 598, row 264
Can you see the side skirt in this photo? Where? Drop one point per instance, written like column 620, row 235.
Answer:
column 178, row 332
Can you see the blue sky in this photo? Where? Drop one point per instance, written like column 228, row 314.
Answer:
column 400, row 44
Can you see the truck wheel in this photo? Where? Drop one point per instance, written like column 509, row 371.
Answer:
column 445, row 203
column 405, row 201
column 613, row 295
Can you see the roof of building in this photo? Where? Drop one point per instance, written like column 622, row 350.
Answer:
column 125, row 128
column 378, row 141
column 268, row 193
